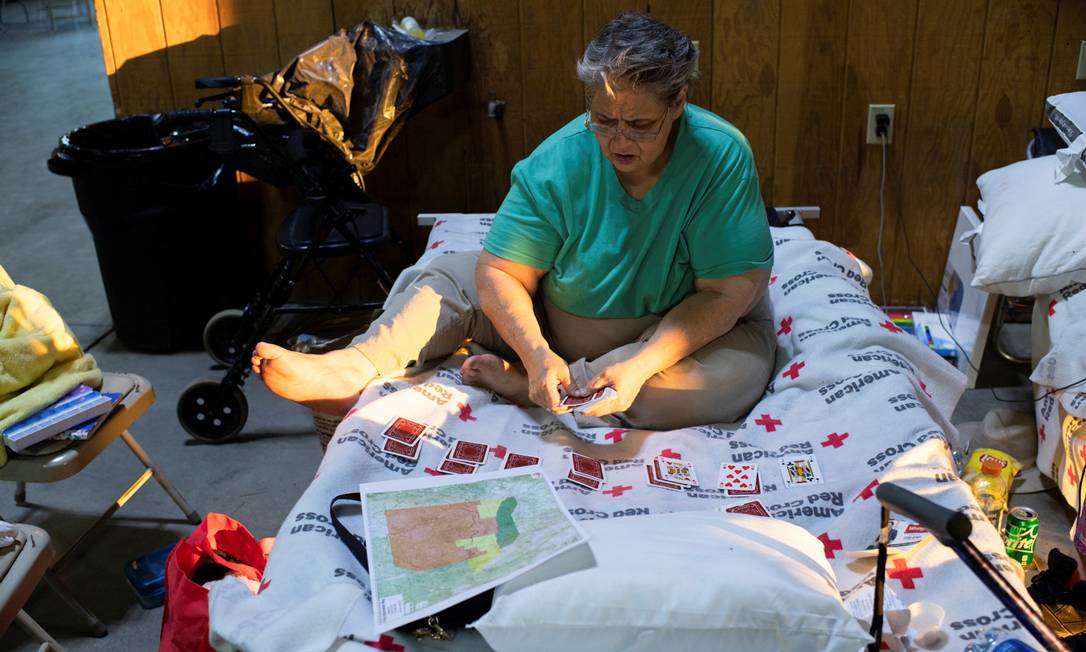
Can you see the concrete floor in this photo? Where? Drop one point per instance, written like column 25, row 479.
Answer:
column 54, row 82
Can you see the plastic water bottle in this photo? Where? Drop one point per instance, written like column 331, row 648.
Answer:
column 990, row 489
column 999, row 640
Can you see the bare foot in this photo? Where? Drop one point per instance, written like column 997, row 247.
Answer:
column 325, row 382
column 497, row 375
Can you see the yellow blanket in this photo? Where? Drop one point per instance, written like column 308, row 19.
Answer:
column 40, row 359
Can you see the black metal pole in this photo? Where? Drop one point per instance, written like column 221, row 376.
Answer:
column 880, row 581
column 998, row 585
column 952, row 529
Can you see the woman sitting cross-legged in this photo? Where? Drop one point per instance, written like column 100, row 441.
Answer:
column 632, row 251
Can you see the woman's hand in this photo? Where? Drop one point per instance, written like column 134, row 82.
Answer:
column 546, row 371
column 627, row 377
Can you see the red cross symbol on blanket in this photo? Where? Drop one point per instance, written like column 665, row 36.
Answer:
column 835, row 440
column 499, row 451
column 615, row 435
column 1041, row 432
column 829, row 545
column 891, row 326
column 924, row 388
column 769, row 423
column 772, row 279
column 1071, row 475
column 1051, row 307
column 438, row 223
column 386, row 643
column 437, row 243
column 786, row 326
column 465, row 412
column 867, row 492
column 618, row 490
column 667, row 452
column 793, row 371
column 263, row 585
column 904, row 573
column 433, row 471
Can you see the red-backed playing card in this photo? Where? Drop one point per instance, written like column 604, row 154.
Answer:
column 586, row 466
column 401, row 449
column 743, row 492
column 468, row 451
column 579, row 401
column 452, row 466
column 516, row 460
column 754, row 508
column 656, row 482
column 404, row 430
column 590, row 483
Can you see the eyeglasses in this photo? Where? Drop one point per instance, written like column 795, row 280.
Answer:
column 643, row 135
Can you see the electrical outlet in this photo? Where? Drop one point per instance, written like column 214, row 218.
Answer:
column 872, row 111
column 1081, row 73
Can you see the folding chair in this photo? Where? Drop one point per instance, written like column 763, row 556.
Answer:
column 136, row 396
column 22, row 566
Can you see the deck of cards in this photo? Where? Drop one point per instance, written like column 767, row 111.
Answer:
column 403, row 438
column 464, row 457
column 586, row 472
column 516, row 460
column 672, row 474
column 581, row 403
column 740, row 479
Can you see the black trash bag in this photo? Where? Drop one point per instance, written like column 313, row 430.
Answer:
column 356, row 89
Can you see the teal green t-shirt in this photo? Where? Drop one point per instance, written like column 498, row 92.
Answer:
column 609, row 255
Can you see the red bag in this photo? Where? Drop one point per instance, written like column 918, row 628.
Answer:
column 220, row 545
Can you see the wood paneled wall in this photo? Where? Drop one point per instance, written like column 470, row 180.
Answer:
column 968, row 78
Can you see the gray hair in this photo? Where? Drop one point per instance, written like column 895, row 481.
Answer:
column 642, row 52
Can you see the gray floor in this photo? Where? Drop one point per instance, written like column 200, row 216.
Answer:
column 52, row 83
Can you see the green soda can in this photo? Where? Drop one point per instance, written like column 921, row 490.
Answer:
column 1021, row 534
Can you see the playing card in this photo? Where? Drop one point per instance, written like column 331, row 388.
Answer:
column 584, row 481
column 401, row 449
column 754, row 508
column 586, row 466
column 800, row 470
column 737, row 492
column 468, row 451
column 656, row 482
column 675, row 471
column 404, row 430
column 452, row 466
column 516, row 460
column 580, row 403
column 738, row 477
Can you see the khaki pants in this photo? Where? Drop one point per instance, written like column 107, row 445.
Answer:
column 718, row 383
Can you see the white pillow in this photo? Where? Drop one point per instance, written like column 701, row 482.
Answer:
column 1033, row 240
column 1067, row 113
column 687, row 581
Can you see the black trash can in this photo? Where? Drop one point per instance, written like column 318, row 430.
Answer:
column 164, row 215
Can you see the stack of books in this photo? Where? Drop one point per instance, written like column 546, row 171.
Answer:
column 75, row 416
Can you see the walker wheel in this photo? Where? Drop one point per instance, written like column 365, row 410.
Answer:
column 210, row 412
column 221, row 336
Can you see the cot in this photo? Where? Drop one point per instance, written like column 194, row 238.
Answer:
column 865, row 400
